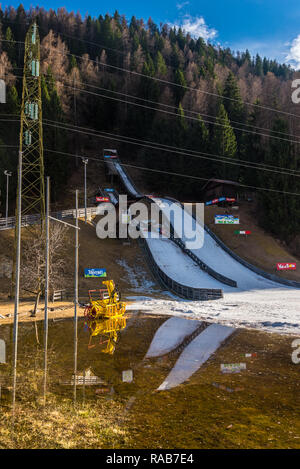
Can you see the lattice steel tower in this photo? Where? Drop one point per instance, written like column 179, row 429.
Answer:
column 31, row 135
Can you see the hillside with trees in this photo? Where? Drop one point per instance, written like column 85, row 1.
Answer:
column 158, row 85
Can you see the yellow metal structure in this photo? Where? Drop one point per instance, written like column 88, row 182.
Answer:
column 105, row 316
column 109, row 329
column 108, row 305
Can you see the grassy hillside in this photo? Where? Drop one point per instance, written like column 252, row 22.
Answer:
column 259, row 248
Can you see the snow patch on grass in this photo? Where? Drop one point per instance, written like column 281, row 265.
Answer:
column 137, row 277
column 268, row 310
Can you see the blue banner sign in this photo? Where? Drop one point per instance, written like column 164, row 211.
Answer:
column 90, row 273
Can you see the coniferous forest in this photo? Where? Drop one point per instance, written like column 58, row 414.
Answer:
column 156, row 85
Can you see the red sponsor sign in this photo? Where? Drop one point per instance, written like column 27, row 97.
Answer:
column 230, row 199
column 286, row 266
column 102, row 199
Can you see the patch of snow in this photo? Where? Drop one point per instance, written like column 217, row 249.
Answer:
column 137, row 298
column 137, row 277
column 195, row 354
column 267, row 310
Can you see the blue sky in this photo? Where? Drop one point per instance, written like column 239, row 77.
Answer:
column 269, row 27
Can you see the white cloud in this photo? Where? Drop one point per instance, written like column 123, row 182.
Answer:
column 179, row 6
column 293, row 56
column 196, row 26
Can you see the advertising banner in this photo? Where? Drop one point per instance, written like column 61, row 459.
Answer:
column 91, row 273
column 220, row 199
column 232, row 367
column 286, row 266
column 102, row 199
column 246, row 232
column 226, row 220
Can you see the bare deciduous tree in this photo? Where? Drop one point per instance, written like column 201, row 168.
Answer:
column 32, row 272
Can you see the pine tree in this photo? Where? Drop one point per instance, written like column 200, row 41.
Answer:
column 258, row 66
column 182, row 125
column 224, row 143
column 233, row 104
column 199, row 135
column 160, row 65
column 10, row 45
column 251, row 148
column 198, row 139
column 265, row 65
column 179, row 90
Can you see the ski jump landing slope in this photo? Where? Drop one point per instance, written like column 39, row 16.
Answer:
column 214, row 255
column 181, row 268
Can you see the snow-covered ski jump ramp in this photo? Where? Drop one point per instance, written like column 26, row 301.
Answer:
column 251, row 284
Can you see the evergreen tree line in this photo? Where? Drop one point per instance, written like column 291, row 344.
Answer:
column 76, row 51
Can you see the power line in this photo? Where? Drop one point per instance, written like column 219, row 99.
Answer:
column 184, row 109
column 263, row 165
column 187, row 117
column 12, row 40
column 176, row 115
column 174, row 107
column 164, row 172
column 168, row 82
column 172, row 173
column 182, row 150
column 161, row 80
column 163, row 148
column 220, row 158
column 175, row 84
column 203, row 179
column 186, row 87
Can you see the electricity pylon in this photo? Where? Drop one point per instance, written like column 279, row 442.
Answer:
column 31, row 184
